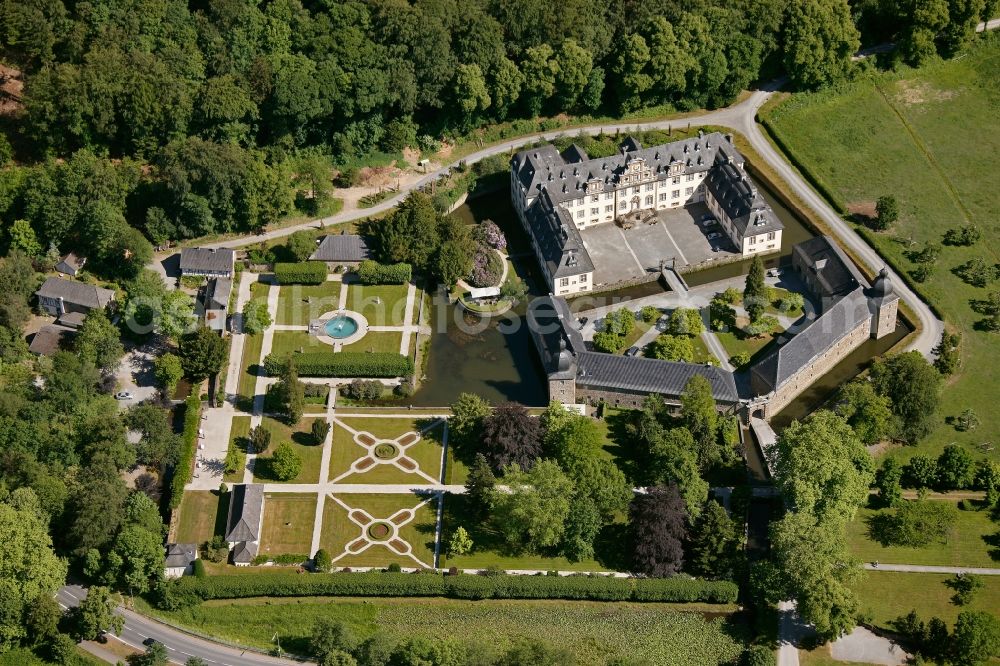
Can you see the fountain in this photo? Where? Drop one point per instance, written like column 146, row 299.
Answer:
column 340, row 327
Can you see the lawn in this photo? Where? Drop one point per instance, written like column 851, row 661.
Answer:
column 932, row 137
column 248, row 372
column 238, row 439
column 288, row 524
column 338, row 530
column 301, row 440
column 299, row 304
column 637, row 332
column 821, row 657
column 595, row 632
column 734, row 342
column 885, row 595
column 203, row 516
column 967, row 546
column 426, row 452
column 489, row 549
column 290, row 342
column 377, row 341
column 382, row 305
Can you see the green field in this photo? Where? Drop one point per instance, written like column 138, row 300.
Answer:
column 885, row 595
column 377, row 341
column 299, row 304
column 426, row 452
column 238, row 433
column 967, row 546
column 301, row 440
column 382, row 305
column 202, row 516
column 338, row 530
column 931, row 137
column 288, row 524
column 594, row 631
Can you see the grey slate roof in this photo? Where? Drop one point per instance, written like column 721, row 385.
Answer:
column 738, row 196
column 833, row 272
column 71, row 319
column 71, row 264
column 818, row 336
column 554, row 331
column 201, row 259
column 217, row 293
column 574, row 154
column 558, row 239
column 647, row 375
column 49, row 339
column 344, row 247
column 180, row 555
column 244, row 552
column 246, row 508
column 77, row 293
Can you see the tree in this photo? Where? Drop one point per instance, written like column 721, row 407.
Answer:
column 967, row 421
column 674, row 460
column 609, row 343
column 700, row 417
column 158, row 446
column 714, row 543
column 260, row 439
column 135, row 557
column 886, row 212
column 685, row 321
column 755, row 296
column 155, row 655
column 539, row 69
column 582, row 526
column 96, row 614
column 657, row 530
column 460, row 542
column 948, row 353
column 203, row 353
column 322, row 561
column 95, row 505
column 955, row 468
column 977, row 272
column 965, row 586
column 532, row 514
column 619, row 322
column 23, row 238
column 168, row 372
column 820, row 39
column 291, row 392
column 868, row 413
column 574, row 64
column 601, row 481
column 256, row 318
column 915, row 523
column 466, row 421
column 976, row 638
column 285, row 463
column 815, row 569
column 667, row 347
column 99, row 343
column 471, row 94
column 912, row 384
column 921, row 472
column 963, row 236
column 410, row 233
column 300, row 245
column 320, row 428
column 479, row 485
column 29, row 569
column 454, row 261
column 822, row 467
column 927, row 19
column 887, row 481
column 511, row 437
column 569, row 437
column 330, row 635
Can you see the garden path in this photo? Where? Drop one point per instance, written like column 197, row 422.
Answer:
column 260, row 387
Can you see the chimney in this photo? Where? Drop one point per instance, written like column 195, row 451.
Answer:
column 729, row 138
column 701, row 133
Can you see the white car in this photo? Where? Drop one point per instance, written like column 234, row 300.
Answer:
column 123, row 395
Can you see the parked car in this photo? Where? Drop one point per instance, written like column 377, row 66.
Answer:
column 714, row 235
column 123, row 395
column 150, row 642
column 632, row 351
column 583, row 321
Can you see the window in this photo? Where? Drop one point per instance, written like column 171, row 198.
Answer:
column 689, row 177
column 663, row 196
column 677, row 180
column 688, row 190
column 595, row 198
column 579, row 213
column 622, row 205
column 607, row 196
column 579, row 202
column 583, row 278
column 563, row 282
column 595, row 211
column 770, row 236
column 649, row 187
column 649, row 200
column 752, row 240
column 609, row 209
column 675, row 194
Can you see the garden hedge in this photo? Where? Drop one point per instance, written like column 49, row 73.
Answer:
column 343, row 364
column 304, row 272
column 372, row 272
column 189, row 447
column 463, row 586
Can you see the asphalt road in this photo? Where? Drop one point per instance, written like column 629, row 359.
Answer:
column 180, row 646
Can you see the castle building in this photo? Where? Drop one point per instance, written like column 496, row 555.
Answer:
column 558, row 194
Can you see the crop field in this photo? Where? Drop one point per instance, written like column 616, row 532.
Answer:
column 931, row 138
column 594, row 632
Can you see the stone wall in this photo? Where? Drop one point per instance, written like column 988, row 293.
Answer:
column 563, row 391
column 884, row 322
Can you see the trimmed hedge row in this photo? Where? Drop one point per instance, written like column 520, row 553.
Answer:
column 189, row 447
column 343, row 364
column 372, row 272
column 303, row 272
column 383, row 584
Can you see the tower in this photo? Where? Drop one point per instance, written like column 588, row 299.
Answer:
column 884, row 305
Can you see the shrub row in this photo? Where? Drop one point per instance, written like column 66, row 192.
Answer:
column 383, row 584
column 372, row 272
column 304, row 272
column 189, row 446
column 343, row 364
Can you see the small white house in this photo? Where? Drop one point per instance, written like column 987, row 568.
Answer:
column 180, row 559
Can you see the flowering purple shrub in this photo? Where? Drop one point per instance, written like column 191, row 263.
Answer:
column 486, row 268
column 488, row 233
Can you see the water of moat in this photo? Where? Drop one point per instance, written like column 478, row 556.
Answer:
column 495, row 358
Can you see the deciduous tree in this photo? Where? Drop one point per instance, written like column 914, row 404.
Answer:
column 532, row 513
column 511, row 436
column 657, row 526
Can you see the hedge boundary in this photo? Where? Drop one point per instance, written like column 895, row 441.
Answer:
column 462, row 586
column 343, row 364
column 372, row 272
column 303, row 272
column 189, row 447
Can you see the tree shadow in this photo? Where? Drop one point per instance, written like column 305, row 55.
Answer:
column 305, row 438
column 993, row 540
column 879, row 527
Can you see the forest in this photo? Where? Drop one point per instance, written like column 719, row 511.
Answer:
column 145, row 121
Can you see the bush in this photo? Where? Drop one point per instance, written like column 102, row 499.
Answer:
column 487, row 267
column 343, row 364
column 285, row 464
column 322, row 563
column 649, row 313
column 915, row 524
column 758, row 655
column 501, row 586
column 320, row 429
column 740, row 359
column 790, row 302
column 761, row 326
column 189, row 446
column 609, row 343
column 198, row 568
column 490, row 235
column 372, row 272
column 364, row 389
column 305, row 272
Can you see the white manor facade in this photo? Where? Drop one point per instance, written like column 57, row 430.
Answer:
column 556, row 195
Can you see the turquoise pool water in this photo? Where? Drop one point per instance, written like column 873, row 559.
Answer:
column 341, row 327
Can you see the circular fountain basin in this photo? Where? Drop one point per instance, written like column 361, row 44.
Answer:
column 340, row 327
